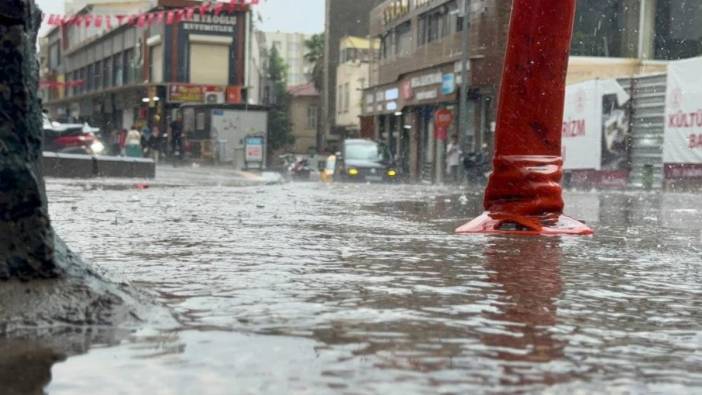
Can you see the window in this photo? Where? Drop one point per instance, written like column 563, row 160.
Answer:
column 97, row 76
column 90, row 83
column 347, row 96
column 312, row 112
column 107, row 73
column 678, row 31
column 156, row 63
column 54, row 56
column 128, row 67
column 403, row 39
column 601, row 29
column 117, row 70
column 340, row 99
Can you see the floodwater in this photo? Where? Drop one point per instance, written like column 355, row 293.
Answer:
column 364, row 289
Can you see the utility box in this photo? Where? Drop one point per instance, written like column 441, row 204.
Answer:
column 218, row 133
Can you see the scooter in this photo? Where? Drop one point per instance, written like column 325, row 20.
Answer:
column 477, row 168
column 300, row 170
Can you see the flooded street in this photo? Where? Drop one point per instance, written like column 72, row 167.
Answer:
column 306, row 288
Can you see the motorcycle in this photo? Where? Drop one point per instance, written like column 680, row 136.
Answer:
column 300, row 170
column 477, row 168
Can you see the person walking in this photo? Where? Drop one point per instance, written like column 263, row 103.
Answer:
column 177, row 137
column 122, row 142
column 134, row 144
column 453, row 158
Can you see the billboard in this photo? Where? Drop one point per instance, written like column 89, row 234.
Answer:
column 596, row 126
column 682, row 148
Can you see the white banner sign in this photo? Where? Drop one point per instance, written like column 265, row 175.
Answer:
column 595, row 126
column 683, row 113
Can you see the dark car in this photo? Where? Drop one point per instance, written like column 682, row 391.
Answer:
column 366, row 161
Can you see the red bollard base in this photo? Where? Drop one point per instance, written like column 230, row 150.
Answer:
column 511, row 224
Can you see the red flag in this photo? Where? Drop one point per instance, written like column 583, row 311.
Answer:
column 204, row 8
column 141, row 20
column 190, row 13
column 170, row 18
column 54, row 20
column 88, row 20
column 132, row 19
column 78, row 20
column 120, row 19
column 218, row 8
column 108, row 22
column 159, row 16
column 97, row 21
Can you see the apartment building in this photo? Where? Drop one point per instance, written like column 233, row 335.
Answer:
column 133, row 73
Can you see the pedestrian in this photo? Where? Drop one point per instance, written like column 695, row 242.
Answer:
column 177, row 137
column 134, row 144
column 154, row 143
column 453, row 158
column 122, row 142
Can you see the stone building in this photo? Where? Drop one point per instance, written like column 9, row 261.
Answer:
column 304, row 118
column 130, row 73
column 343, row 18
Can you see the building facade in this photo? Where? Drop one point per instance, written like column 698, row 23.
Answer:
column 343, row 18
column 417, row 76
column 304, row 118
column 291, row 48
column 417, row 73
column 140, row 75
column 353, row 75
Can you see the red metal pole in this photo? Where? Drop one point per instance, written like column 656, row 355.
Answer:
column 524, row 194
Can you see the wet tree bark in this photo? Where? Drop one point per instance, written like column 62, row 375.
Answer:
column 26, row 237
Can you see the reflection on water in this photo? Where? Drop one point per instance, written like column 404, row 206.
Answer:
column 528, row 272
column 364, row 289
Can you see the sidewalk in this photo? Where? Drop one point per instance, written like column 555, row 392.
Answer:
column 212, row 175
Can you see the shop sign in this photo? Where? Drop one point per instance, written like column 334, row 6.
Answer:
column 442, row 121
column 595, row 131
column 427, row 95
column 211, row 24
column 392, row 94
column 406, row 89
column 234, row 95
column 683, row 118
column 426, row 80
column 254, row 149
column 448, row 84
column 185, row 93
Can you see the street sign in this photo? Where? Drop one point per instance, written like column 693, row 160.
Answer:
column 442, row 121
column 254, row 152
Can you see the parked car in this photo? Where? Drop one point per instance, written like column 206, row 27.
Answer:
column 69, row 138
column 366, row 161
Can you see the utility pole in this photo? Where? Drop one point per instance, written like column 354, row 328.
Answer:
column 463, row 100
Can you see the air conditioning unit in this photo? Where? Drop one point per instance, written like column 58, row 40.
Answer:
column 214, row 97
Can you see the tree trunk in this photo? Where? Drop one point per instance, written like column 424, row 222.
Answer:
column 26, row 237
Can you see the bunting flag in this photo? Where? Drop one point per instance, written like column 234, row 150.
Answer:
column 148, row 18
column 59, row 84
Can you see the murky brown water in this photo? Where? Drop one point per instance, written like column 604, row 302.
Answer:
column 358, row 289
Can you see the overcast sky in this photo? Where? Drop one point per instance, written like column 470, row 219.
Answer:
column 306, row 16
